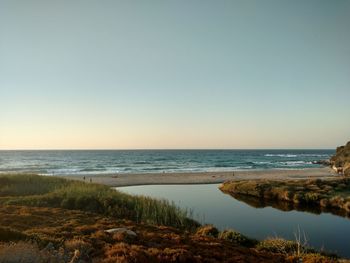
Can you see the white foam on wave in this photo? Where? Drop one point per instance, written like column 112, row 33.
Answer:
column 263, row 162
column 280, row 155
column 293, row 163
column 296, row 155
column 314, row 155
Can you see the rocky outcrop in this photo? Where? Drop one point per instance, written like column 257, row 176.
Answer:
column 341, row 160
column 322, row 162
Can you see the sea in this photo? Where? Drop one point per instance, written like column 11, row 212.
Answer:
column 96, row 162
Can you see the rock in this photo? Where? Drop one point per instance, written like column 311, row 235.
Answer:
column 346, row 169
column 341, row 160
column 121, row 230
column 322, row 162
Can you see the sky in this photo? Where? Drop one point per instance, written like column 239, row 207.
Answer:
column 174, row 74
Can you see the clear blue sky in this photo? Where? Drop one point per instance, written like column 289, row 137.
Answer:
column 174, row 74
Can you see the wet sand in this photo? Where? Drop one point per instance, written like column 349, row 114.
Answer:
column 116, row 180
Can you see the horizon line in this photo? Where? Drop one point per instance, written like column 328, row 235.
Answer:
column 161, row 149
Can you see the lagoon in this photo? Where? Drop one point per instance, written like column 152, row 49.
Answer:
column 209, row 205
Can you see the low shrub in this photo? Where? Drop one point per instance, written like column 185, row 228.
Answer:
column 311, row 197
column 207, row 230
column 278, row 245
column 237, row 238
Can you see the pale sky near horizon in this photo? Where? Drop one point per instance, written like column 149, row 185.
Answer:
column 174, row 74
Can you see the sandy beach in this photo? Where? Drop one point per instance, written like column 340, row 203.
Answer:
column 116, row 180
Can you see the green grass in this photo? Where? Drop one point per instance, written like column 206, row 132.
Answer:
column 34, row 190
column 20, row 185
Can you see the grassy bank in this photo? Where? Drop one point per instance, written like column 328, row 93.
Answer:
column 34, row 190
column 332, row 194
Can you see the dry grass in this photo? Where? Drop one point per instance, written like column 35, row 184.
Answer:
column 24, row 252
column 295, row 251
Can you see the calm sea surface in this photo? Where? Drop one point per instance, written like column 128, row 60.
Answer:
column 210, row 205
column 150, row 161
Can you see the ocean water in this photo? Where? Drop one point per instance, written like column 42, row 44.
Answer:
column 78, row 162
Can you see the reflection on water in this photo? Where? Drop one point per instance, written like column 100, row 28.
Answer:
column 210, row 205
column 287, row 206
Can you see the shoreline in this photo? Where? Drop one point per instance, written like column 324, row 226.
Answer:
column 119, row 180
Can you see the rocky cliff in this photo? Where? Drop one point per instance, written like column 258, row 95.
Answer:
column 342, row 158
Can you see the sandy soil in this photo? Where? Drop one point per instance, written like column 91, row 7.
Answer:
column 203, row 177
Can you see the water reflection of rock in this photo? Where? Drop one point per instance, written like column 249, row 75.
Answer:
column 287, row 206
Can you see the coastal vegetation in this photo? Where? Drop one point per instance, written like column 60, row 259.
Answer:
column 60, row 234
column 331, row 194
column 39, row 191
column 48, row 219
